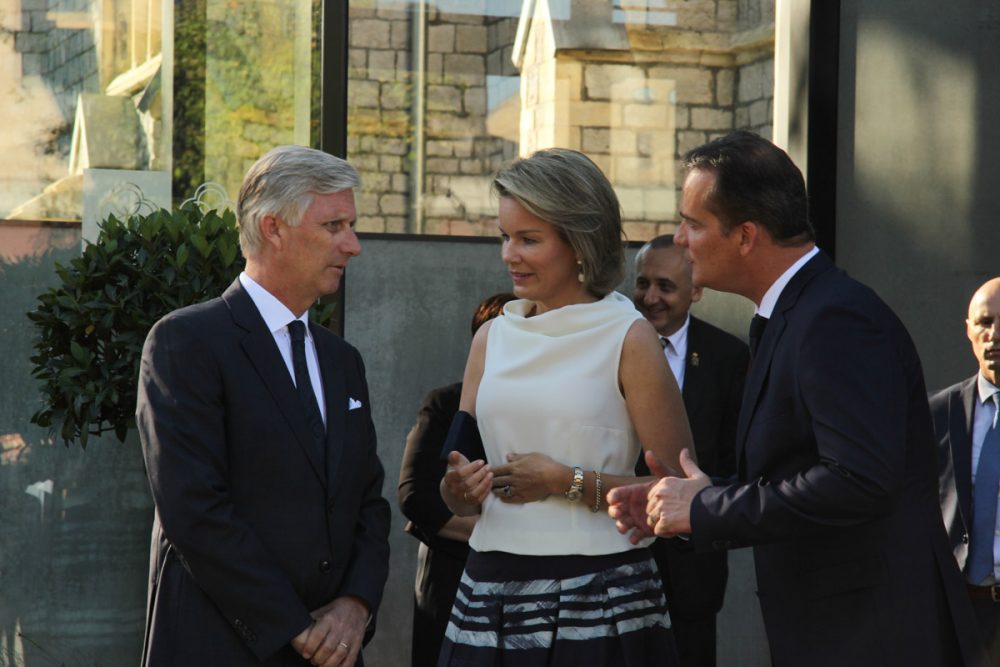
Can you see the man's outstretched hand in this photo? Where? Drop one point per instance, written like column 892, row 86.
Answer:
column 661, row 508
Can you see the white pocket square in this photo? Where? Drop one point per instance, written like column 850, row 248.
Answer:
column 353, row 403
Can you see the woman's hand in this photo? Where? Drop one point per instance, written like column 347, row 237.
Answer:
column 526, row 478
column 465, row 485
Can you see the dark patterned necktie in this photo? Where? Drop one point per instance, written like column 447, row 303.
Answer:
column 297, row 331
column 757, row 325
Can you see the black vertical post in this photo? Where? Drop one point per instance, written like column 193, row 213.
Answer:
column 333, row 109
column 333, row 106
column 824, row 69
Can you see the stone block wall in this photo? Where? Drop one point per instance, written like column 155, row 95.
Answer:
column 65, row 58
column 754, row 103
column 457, row 153
column 694, row 70
column 380, row 97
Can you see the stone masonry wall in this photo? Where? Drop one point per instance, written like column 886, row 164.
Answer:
column 65, row 58
column 459, row 155
column 635, row 112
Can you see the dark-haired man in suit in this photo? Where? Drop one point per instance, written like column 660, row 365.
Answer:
column 710, row 367
column 270, row 541
column 968, row 432
column 836, row 484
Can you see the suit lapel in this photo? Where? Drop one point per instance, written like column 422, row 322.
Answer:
column 260, row 348
column 331, row 366
column 761, row 363
column 960, row 412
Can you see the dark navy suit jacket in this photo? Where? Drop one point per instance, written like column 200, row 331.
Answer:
column 252, row 530
column 836, row 487
column 952, row 410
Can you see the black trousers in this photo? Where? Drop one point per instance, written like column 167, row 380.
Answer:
column 988, row 616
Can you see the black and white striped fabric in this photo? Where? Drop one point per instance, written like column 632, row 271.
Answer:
column 559, row 610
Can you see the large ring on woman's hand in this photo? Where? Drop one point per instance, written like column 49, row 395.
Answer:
column 465, row 496
column 344, row 646
column 506, row 490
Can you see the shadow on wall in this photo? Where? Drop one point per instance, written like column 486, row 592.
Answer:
column 916, row 196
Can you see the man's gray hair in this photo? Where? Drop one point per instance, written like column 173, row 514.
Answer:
column 282, row 183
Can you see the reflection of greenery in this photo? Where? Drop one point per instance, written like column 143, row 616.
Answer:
column 189, row 97
column 251, row 73
column 235, row 73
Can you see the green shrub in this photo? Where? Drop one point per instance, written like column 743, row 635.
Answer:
column 92, row 325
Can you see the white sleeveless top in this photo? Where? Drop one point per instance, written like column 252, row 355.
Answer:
column 550, row 385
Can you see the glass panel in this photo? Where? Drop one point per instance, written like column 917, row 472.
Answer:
column 441, row 92
column 107, row 112
column 83, row 93
column 112, row 106
column 259, row 82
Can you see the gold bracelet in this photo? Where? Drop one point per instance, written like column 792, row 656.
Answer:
column 597, row 487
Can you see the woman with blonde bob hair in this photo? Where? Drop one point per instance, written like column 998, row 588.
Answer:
column 561, row 390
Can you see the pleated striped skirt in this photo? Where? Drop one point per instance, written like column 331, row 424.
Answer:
column 526, row 611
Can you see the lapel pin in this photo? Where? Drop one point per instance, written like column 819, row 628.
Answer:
column 695, row 359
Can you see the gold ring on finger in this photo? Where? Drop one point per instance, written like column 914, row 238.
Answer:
column 344, row 646
column 651, row 520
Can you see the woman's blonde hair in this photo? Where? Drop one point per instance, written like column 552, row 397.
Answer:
column 566, row 189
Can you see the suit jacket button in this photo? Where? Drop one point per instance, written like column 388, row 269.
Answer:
column 965, row 538
column 324, row 566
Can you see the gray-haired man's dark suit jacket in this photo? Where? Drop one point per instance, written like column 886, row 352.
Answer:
column 252, row 531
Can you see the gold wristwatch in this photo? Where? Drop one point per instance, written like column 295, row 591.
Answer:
column 575, row 491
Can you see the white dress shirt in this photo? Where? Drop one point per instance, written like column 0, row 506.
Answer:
column 676, row 351
column 277, row 317
column 983, row 417
column 770, row 300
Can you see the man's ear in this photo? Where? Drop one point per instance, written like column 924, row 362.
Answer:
column 271, row 230
column 696, row 293
column 749, row 236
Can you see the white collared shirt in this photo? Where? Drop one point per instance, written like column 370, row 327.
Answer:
column 277, row 316
column 770, row 300
column 982, row 420
column 676, row 351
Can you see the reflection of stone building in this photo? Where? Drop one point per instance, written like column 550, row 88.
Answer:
column 99, row 63
column 245, row 74
column 633, row 84
column 421, row 83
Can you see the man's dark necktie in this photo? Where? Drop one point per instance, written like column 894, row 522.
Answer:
column 297, row 331
column 984, row 504
column 757, row 325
